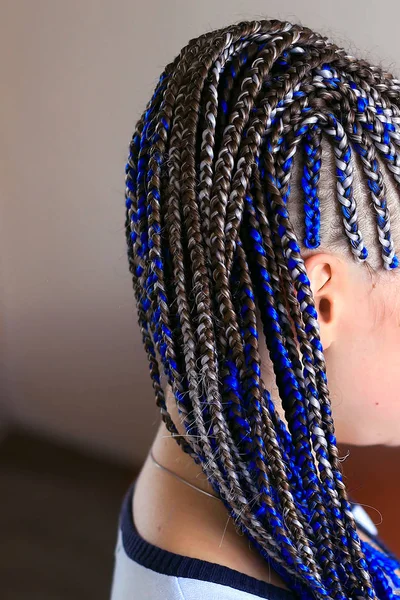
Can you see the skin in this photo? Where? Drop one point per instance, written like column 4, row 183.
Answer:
column 360, row 332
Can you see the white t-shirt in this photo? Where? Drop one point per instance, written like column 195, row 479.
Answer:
column 144, row 571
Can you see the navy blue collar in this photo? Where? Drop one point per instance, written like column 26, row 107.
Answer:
column 169, row 563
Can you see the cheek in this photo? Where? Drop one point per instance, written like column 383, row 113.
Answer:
column 365, row 386
column 387, row 379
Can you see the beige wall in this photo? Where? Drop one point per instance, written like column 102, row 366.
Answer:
column 74, row 76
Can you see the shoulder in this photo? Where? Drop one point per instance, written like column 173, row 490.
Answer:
column 133, row 580
column 146, row 571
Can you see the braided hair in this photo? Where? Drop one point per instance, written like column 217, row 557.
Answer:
column 216, row 260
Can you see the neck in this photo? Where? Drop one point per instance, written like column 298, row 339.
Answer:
column 178, row 518
column 188, row 522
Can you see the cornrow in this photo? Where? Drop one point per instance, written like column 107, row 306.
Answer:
column 215, row 260
column 312, row 167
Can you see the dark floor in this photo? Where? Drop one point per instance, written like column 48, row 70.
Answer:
column 58, row 521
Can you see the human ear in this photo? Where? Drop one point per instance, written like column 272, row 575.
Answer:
column 327, row 275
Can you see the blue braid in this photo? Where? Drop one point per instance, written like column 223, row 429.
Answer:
column 251, row 380
column 289, row 386
column 311, row 173
column 133, row 216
